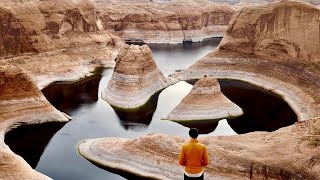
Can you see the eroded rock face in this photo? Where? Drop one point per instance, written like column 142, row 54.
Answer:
column 276, row 31
column 284, row 154
column 37, row 26
column 205, row 101
column 165, row 22
column 64, row 38
column 270, row 47
column 135, row 78
column 51, row 40
column 14, row 36
column 20, row 97
column 260, row 2
column 21, row 102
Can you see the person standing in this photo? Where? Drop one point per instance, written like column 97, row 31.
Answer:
column 194, row 156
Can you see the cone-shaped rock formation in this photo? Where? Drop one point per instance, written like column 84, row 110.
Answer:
column 135, row 78
column 205, row 101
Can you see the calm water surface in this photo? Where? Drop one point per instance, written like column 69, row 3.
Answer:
column 95, row 118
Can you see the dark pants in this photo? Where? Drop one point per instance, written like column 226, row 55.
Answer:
column 193, row 178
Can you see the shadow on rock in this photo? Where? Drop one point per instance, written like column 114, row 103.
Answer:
column 204, row 127
column 263, row 110
column 30, row 141
column 67, row 96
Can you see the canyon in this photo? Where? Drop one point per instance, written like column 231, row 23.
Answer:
column 271, row 45
column 165, row 22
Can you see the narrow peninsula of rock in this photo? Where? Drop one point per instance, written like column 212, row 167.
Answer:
column 21, row 102
column 288, row 153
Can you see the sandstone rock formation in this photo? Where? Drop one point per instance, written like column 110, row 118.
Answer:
column 287, row 153
column 55, row 40
column 165, row 22
column 51, row 40
column 204, row 102
column 276, row 31
column 21, row 102
column 261, row 2
column 66, row 39
column 270, row 47
column 135, row 78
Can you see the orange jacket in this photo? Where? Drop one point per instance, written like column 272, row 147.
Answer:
column 193, row 156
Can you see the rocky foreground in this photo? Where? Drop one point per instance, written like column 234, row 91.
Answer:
column 289, row 153
column 268, row 46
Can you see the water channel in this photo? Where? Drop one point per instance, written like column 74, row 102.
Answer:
column 54, row 151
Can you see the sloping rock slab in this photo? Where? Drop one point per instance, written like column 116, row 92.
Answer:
column 154, row 156
column 287, row 153
column 21, row 102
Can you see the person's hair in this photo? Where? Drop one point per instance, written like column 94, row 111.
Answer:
column 193, row 132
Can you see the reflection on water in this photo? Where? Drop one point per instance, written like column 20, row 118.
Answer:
column 67, row 96
column 263, row 110
column 29, row 141
column 138, row 119
column 172, row 57
column 204, row 127
column 93, row 117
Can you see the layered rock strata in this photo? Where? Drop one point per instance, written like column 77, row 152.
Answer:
column 204, row 102
column 55, row 40
column 51, row 40
column 270, row 47
column 135, row 78
column 288, row 153
column 21, row 102
column 261, row 2
column 165, row 22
